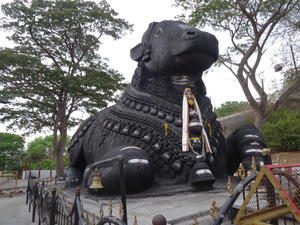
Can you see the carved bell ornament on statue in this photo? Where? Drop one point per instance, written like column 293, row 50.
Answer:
column 195, row 126
column 96, row 182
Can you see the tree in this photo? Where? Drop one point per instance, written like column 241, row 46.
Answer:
column 251, row 25
column 11, row 147
column 288, row 56
column 39, row 153
column 55, row 69
column 282, row 130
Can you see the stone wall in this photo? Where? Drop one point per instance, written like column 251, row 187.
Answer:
column 229, row 123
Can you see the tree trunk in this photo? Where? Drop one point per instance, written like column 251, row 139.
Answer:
column 259, row 119
column 59, row 163
column 60, row 169
column 59, row 146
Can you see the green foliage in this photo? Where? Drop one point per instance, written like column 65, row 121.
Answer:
column 39, row 153
column 55, row 64
column 229, row 108
column 11, row 147
column 54, row 68
column 46, row 164
column 249, row 120
column 282, row 130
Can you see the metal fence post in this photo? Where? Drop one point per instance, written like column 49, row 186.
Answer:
column 77, row 206
column 122, row 187
column 35, row 197
column 53, row 208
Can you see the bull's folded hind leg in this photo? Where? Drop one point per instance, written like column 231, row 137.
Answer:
column 246, row 144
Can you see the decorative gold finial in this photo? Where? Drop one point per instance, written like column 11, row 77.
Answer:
column 101, row 211
column 68, row 206
column 214, row 210
column 266, row 151
column 241, row 171
column 94, row 219
column 87, row 219
column 110, row 208
column 254, row 169
column 195, row 221
column 229, row 187
column 121, row 212
column 135, row 221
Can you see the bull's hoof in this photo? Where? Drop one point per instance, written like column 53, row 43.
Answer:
column 73, row 177
column 138, row 172
column 201, row 176
column 251, row 166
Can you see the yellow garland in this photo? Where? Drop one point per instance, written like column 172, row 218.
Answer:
column 210, row 130
column 166, row 126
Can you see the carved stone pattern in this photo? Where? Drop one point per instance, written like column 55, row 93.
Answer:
column 157, row 88
column 152, row 102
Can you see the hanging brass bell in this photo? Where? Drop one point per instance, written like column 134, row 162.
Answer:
column 96, row 183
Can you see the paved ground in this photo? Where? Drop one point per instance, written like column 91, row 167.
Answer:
column 178, row 208
column 177, row 204
column 14, row 211
column 13, row 208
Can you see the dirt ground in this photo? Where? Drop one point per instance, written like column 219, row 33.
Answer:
column 286, row 157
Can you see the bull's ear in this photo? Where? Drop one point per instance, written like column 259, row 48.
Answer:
column 136, row 53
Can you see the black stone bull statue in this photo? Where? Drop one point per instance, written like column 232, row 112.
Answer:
column 164, row 126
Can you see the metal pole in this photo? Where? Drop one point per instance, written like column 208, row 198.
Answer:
column 231, row 200
column 122, row 179
column 77, row 206
column 269, row 188
column 28, row 187
column 122, row 187
column 35, row 197
column 52, row 207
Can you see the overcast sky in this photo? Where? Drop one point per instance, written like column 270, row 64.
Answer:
column 221, row 85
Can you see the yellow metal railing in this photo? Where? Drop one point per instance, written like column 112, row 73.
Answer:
column 13, row 174
column 274, row 193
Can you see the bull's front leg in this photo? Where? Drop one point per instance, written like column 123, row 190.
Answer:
column 138, row 170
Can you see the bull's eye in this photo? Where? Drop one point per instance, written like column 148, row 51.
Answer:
column 158, row 32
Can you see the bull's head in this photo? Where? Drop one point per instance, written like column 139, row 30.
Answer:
column 173, row 47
